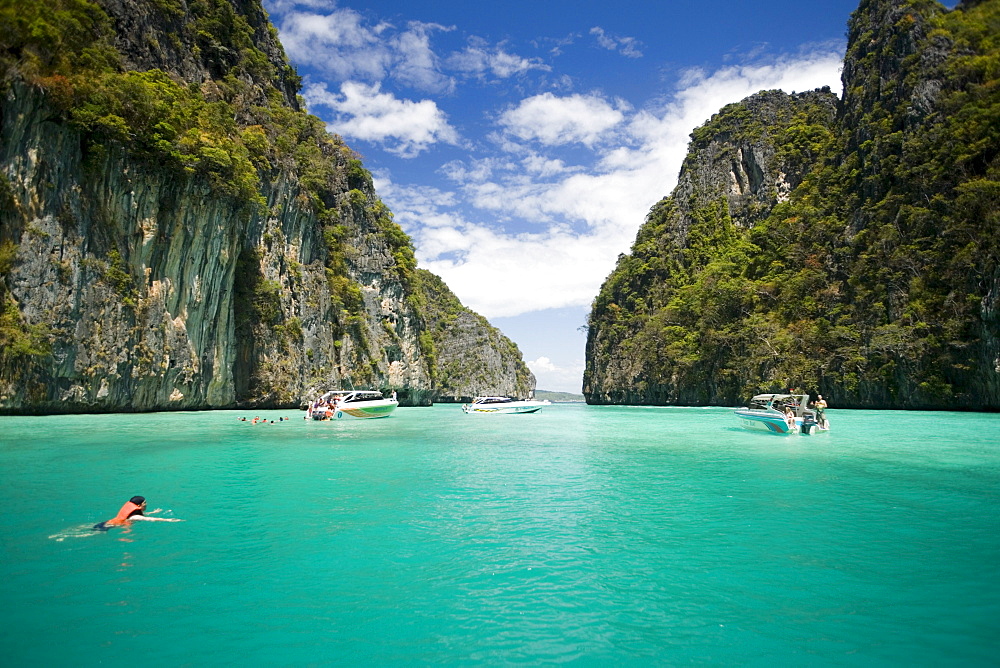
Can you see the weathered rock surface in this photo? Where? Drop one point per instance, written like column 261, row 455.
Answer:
column 852, row 254
column 473, row 358
column 130, row 284
column 735, row 173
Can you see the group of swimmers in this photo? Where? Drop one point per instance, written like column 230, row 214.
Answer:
column 260, row 420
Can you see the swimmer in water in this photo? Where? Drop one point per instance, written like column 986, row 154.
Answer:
column 134, row 509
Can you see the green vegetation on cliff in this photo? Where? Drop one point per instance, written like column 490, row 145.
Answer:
column 874, row 281
column 231, row 127
column 177, row 232
column 470, row 356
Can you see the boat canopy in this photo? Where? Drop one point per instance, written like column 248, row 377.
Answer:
column 352, row 395
column 797, row 402
column 492, row 400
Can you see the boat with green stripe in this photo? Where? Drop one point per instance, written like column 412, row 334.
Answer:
column 361, row 404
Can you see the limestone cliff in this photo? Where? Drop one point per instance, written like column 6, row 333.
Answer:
column 853, row 254
column 472, row 358
column 741, row 164
column 175, row 232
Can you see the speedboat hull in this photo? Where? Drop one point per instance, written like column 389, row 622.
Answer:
column 369, row 410
column 528, row 407
column 770, row 422
column 358, row 404
column 775, row 423
column 493, row 405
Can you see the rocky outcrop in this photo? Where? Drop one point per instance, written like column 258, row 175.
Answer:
column 741, row 164
column 200, row 42
column 187, row 238
column 138, row 276
column 852, row 254
column 747, row 155
column 472, row 358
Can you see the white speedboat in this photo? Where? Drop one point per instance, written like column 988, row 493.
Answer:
column 503, row 405
column 340, row 404
column 782, row 414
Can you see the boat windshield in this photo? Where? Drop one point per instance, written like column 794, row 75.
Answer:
column 492, row 400
column 346, row 396
column 363, row 396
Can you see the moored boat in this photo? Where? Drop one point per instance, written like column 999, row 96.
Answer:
column 362, row 404
column 503, row 405
column 782, row 414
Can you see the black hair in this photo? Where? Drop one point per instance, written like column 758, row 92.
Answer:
column 138, row 500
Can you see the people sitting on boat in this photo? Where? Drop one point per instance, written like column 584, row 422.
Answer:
column 789, row 416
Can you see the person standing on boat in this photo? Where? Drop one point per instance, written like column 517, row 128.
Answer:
column 134, row 509
column 821, row 409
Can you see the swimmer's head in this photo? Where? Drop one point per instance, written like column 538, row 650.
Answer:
column 138, row 500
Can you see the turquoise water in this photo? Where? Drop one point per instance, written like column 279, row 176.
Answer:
column 594, row 535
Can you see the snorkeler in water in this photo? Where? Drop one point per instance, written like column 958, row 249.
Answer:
column 134, row 509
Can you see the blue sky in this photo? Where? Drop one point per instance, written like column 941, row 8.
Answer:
column 521, row 144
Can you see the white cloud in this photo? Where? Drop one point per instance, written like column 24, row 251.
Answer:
column 479, row 59
column 536, row 270
column 580, row 216
column 363, row 112
column 541, row 364
column 542, row 166
column 628, row 46
column 549, row 376
column 417, row 64
column 552, row 120
column 340, row 43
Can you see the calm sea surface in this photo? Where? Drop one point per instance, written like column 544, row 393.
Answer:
column 593, row 535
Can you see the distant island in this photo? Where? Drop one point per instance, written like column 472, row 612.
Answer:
column 558, row 396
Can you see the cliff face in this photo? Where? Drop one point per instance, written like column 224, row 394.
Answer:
column 743, row 163
column 159, row 293
column 472, row 358
column 852, row 254
column 185, row 237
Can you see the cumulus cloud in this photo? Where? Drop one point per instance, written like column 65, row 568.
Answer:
column 578, row 216
column 403, row 127
column 552, row 120
column 341, row 44
column 480, row 59
column 627, row 46
column 541, row 364
column 417, row 65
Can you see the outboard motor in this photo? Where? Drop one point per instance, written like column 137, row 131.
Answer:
column 809, row 424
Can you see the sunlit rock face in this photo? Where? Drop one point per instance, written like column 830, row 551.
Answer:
column 134, row 272
column 133, row 281
column 472, row 358
column 840, row 247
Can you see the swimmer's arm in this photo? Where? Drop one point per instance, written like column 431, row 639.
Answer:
column 155, row 519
